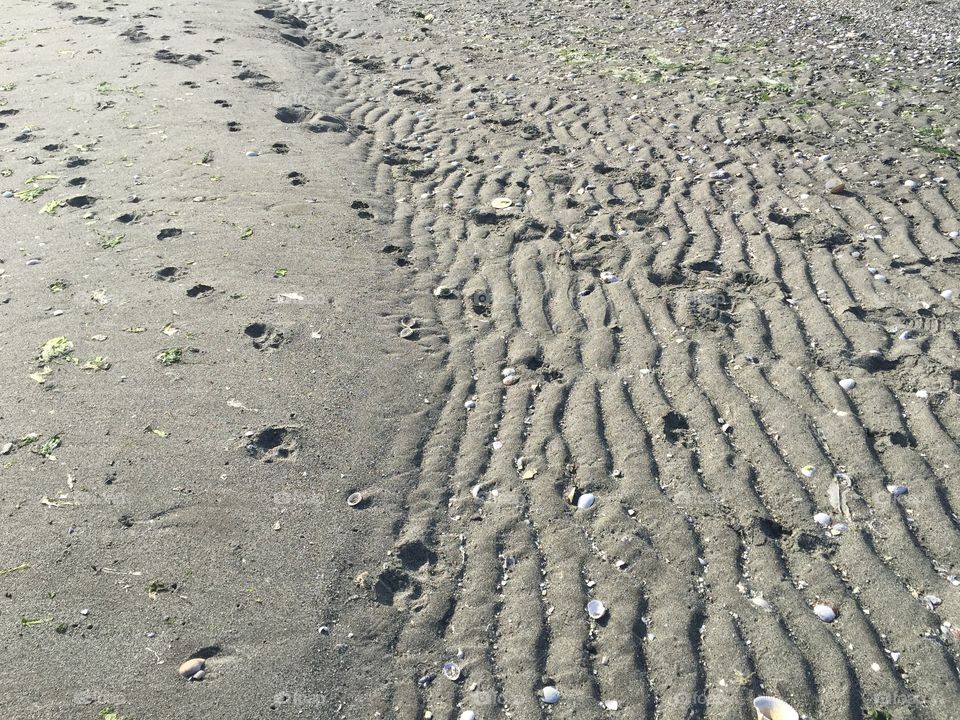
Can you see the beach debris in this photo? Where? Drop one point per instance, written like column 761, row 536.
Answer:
column 46, row 448
column 897, row 490
column 550, row 695
column 54, row 349
column 825, row 612
column 611, row 704
column 15, row 568
column 480, row 300
column 822, row 519
column 354, row 499
column 470, row 404
column 170, row 356
column 596, row 609
column 451, row 671
column 771, row 708
column 609, row 277
column 835, row 186
column 442, row 291
column 501, row 203
column 848, row 384
column 468, row 715
column 586, row 501
column 252, row 153
column 189, row 669
column 509, row 376
column 808, row 471
column 947, row 294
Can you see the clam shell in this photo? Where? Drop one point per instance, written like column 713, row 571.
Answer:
column 771, row 708
column 408, row 333
column 408, row 321
column 468, row 715
column 501, row 203
column 825, row 612
column 897, row 490
column 835, row 186
column 191, row 667
column 586, row 501
column 571, row 495
column 822, row 519
column 507, row 372
column 947, row 294
column 848, row 383
column 442, row 291
column 808, row 470
column 838, row 529
column 354, row 499
column 451, row 671
column 596, row 609
column 550, row 695
column 511, row 380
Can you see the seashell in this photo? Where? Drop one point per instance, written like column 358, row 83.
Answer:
column 609, row 277
column 835, row 186
column 596, row 609
column 191, row 667
column 771, row 708
column 572, row 495
column 586, row 501
column 451, row 671
column 408, row 321
column 880, row 277
column 355, row 499
column 511, row 380
column 252, row 153
column 468, row 715
column 199, row 675
column 825, row 612
column 808, row 471
column 507, row 372
column 822, row 519
column 848, row 383
column 897, row 490
column 408, row 333
column 442, row 291
column 501, row 203
column 761, row 603
column 470, row 404
column 8, row 193
column 838, row 529
column 550, row 695
column 911, row 184
column 611, row 704
column 923, row 394
column 947, row 294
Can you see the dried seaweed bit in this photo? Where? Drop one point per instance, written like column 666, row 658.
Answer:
column 34, row 621
column 55, row 348
column 96, row 363
column 46, row 448
column 156, row 431
column 170, row 356
column 7, row 571
column 27, row 439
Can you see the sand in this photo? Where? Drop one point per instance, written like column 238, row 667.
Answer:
column 221, row 315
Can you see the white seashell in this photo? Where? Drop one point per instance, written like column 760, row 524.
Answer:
column 470, row 404
column 501, row 203
column 468, row 715
column 199, row 675
column 442, row 291
column 947, row 294
column 596, row 609
column 825, row 612
column 880, row 277
column 808, row 471
column 451, row 671
column 354, row 499
column 511, row 380
column 507, row 372
column 771, row 708
column 897, row 490
column 8, row 193
column 822, row 519
column 911, row 184
column 761, row 603
column 835, row 186
column 586, row 501
column 191, row 667
column 550, row 695
column 923, row 394
column 609, row 277
column 838, row 529
column 848, row 383
column 252, row 153
column 611, row 704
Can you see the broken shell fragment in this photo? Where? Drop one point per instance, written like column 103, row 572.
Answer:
column 848, row 383
column 822, row 519
column 408, row 333
column 355, row 499
column 808, row 471
column 501, row 203
column 451, row 671
column 897, row 490
column 468, row 715
column 550, row 695
column 442, row 291
column 596, row 609
column 191, row 667
column 586, row 501
column 771, row 708
column 572, row 495
column 825, row 612
column 838, row 529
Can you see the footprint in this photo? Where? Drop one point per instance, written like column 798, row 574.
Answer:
column 61, row 5
column 296, row 178
column 327, row 123
column 277, row 442
column 168, row 233
column 190, row 84
column 298, row 40
column 169, row 274
column 127, row 218
column 77, row 181
column 363, row 213
column 280, row 148
column 177, row 59
column 8, row 113
column 135, row 34
column 233, row 126
column 222, row 103
column 259, row 80
column 87, row 20
column 74, row 161
column 82, row 201
column 288, row 20
column 264, row 336
column 200, row 290
column 292, row 114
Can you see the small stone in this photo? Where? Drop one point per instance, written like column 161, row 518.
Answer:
column 911, row 184
column 8, row 193
column 947, row 294
column 252, row 153
column 835, row 186
column 191, row 667
column 848, row 383
column 550, row 695
column 7, row 447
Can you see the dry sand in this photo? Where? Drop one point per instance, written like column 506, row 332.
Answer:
column 219, row 317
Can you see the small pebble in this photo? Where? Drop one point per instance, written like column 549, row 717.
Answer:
column 252, row 153
column 8, row 193
column 835, row 186
column 191, row 667
column 825, row 612
column 947, row 294
column 848, row 383
column 911, row 184
column 550, row 695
